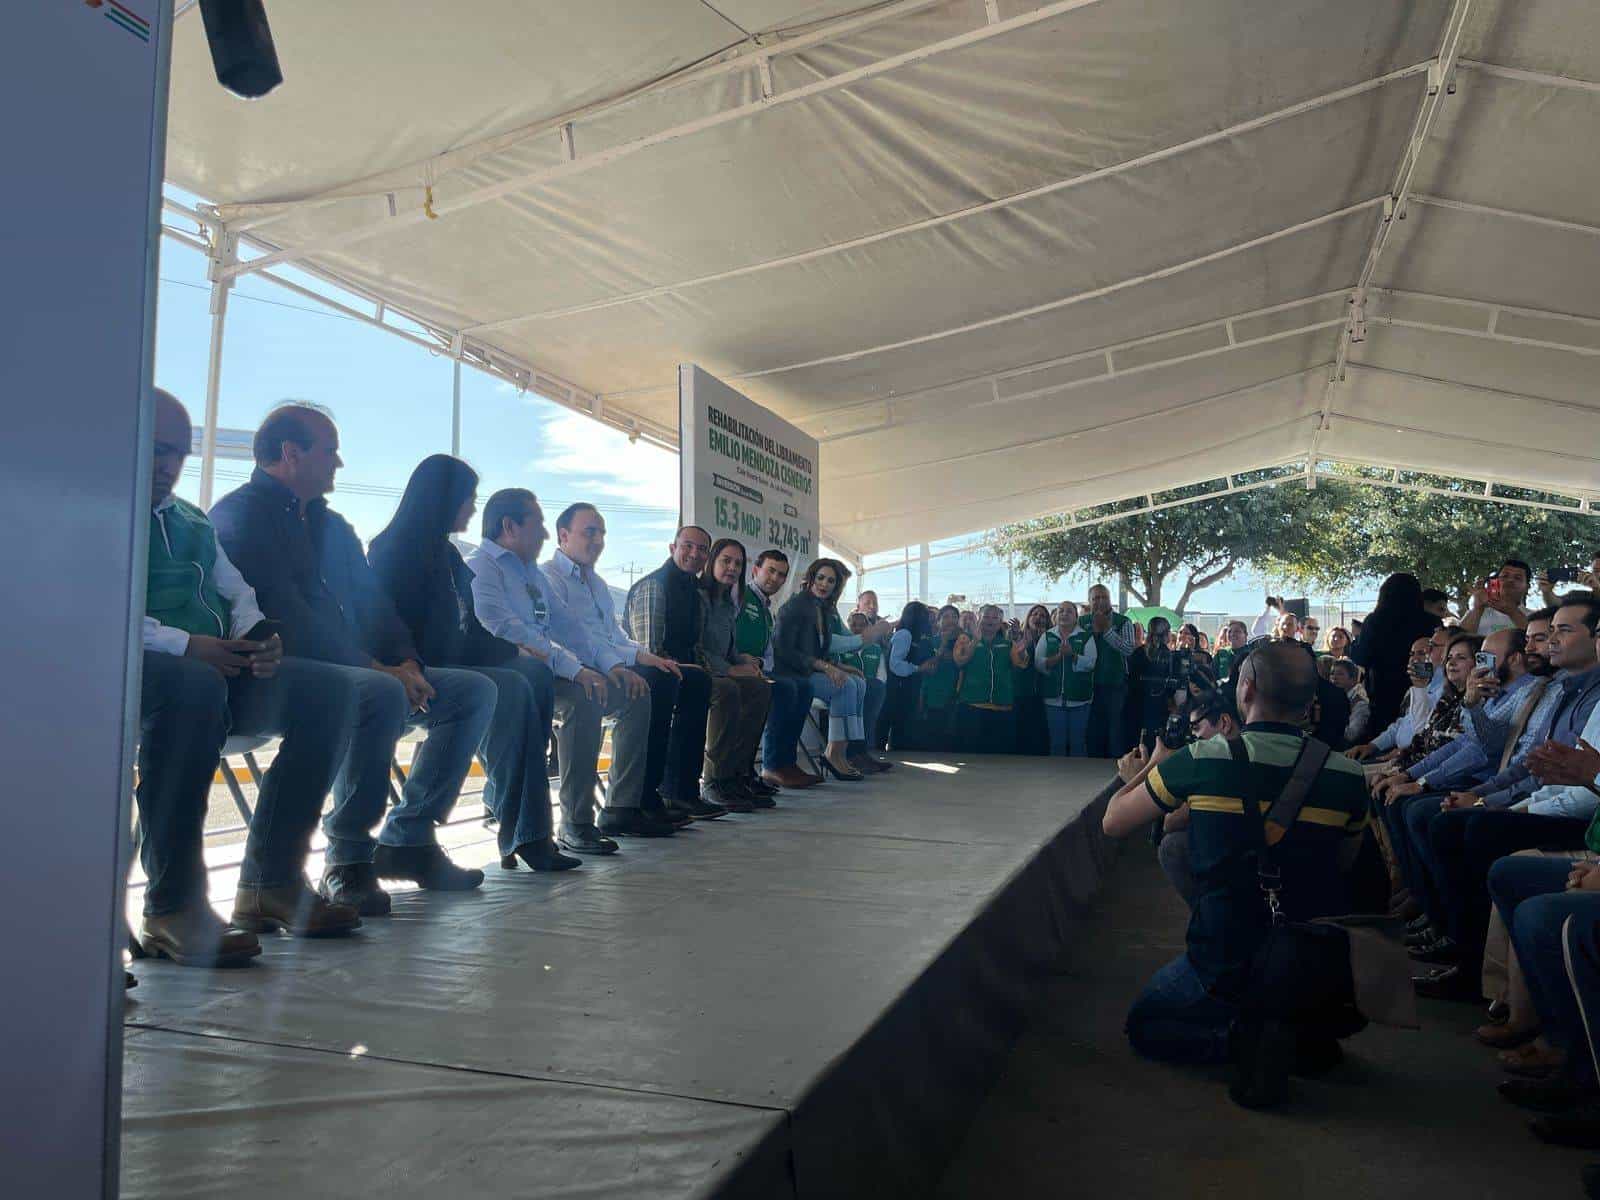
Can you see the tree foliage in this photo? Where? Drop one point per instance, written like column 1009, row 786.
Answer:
column 1338, row 535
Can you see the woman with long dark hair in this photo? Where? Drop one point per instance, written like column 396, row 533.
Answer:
column 908, row 652
column 1033, row 735
column 431, row 588
column 1384, row 645
column 802, row 639
column 740, row 695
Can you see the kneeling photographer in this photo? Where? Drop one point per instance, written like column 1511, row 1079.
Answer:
column 1205, row 1006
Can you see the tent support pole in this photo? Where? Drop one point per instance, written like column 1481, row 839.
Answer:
column 224, row 253
column 455, row 397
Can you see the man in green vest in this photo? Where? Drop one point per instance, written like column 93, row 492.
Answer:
column 1234, row 637
column 791, row 698
column 1066, row 658
column 984, row 719
column 213, row 666
column 1113, row 640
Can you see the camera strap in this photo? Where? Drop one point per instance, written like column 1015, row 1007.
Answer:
column 1281, row 815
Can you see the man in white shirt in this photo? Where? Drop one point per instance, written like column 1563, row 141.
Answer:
column 1499, row 603
column 213, row 666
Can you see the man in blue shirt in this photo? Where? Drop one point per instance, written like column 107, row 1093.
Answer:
column 310, row 574
column 514, row 601
column 583, row 618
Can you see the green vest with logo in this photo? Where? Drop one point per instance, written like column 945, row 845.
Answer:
column 939, row 686
column 1063, row 683
column 180, row 580
column 752, row 629
column 986, row 679
column 1110, row 664
column 866, row 659
column 1224, row 662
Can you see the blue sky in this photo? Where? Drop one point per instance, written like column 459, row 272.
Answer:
column 392, row 401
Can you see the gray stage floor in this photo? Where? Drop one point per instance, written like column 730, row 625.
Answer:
column 641, row 1027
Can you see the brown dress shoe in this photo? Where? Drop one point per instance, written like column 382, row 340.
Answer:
column 791, row 778
column 197, row 937
column 293, row 908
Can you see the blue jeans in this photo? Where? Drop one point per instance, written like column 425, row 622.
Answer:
column 1176, row 1020
column 1535, row 905
column 780, row 741
column 1069, row 729
column 456, row 721
column 516, row 749
column 844, row 706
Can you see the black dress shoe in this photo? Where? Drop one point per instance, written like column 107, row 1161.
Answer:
column 1314, row 1057
column 429, row 867
column 673, row 814
column 633, row 822
column 1499, row 1012
column 758, row 786
column 1426, row 936
column 1447, row 983
column 1557, row 1095
column 1419, row 924
column 585, row 841
column 1578, row 1129
column 726, row 795
column 701, row 809
column 355, row 884
column 540, row 856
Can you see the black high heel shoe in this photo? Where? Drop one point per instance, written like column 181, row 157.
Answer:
column 842, row 776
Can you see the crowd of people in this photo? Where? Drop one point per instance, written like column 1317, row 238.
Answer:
column 1471, row 740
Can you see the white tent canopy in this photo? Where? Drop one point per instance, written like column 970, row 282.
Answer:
column 1002, row 258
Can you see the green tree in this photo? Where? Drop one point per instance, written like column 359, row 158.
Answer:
column 1203, row 543
column 1448, row 542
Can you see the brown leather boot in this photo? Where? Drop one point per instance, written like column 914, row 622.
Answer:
column 292, row 907
column 790, row 778
column 197, row 937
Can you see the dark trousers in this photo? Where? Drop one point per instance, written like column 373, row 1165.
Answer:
column 1407, row 822
column 1033, row 735
column 678, row 711
column 780, row 741
column 1466, row 843
column 894, row 730
column 985, row 730
column 515, row 747
column 187, row 709
column 1106, row 720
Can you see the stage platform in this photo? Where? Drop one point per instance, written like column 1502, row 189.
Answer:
column 808, row 1002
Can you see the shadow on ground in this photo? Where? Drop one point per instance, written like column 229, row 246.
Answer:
column 1409, row 1114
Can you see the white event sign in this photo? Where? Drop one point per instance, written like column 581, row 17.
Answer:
column 745, row 473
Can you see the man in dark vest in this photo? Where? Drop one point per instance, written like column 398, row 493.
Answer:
column 1113, row 641
column 213, row 665
column 663, row 614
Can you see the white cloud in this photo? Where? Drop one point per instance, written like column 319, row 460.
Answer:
column 597, row 461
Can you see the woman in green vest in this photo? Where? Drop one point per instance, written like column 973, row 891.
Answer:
column 1065, row 660
column 1033, row 737
column 984, row 720
column 940, row 680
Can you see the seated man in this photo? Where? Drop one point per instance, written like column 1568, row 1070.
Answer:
column 1424, row 666
column 583, row 618
column 213, row 665
column 514, row 602
column 791, row 697
column 1476, row 827
column 1213, row 714
column 1189, row 1010
column 664, row 615
column 311, row 575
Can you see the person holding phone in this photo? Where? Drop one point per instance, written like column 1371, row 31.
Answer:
column 1499, row 601
column 213, row 664
column 1567, row 579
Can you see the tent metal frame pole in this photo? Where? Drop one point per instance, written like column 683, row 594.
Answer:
column 455, row 396
column 224, row 251
column 1441, row 83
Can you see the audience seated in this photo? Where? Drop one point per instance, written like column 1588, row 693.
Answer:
column 432, row 591
column 213, row 664
column 310, row 574
column 791, row 695
column 802, row 639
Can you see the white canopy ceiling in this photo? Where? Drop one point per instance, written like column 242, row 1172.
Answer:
column 1002, row 258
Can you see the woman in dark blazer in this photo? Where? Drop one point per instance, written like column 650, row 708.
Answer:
column 801, row 639
column 432, row 590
